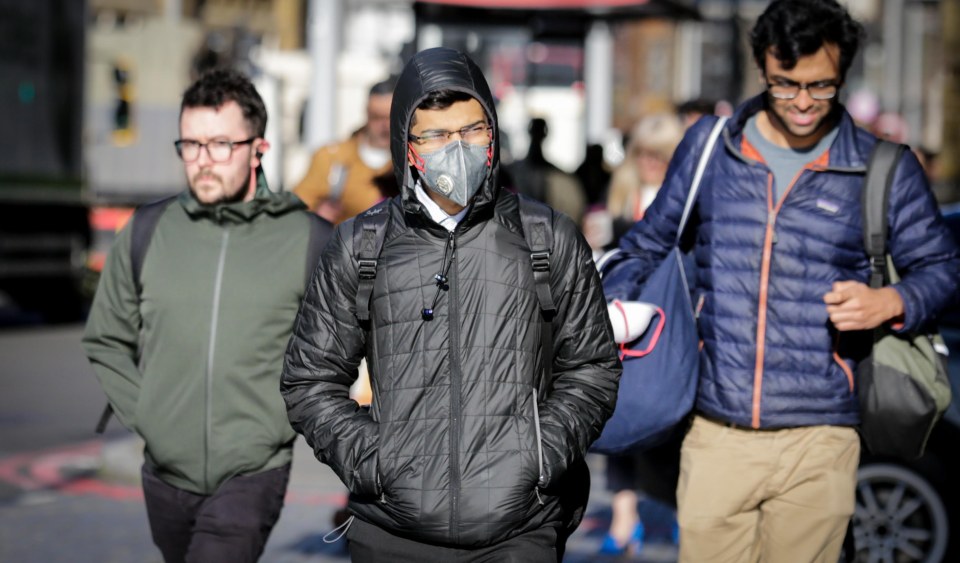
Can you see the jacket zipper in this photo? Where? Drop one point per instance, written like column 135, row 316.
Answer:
column 536, row 425
column 453, row 320
column 214, row 319
column 769, row 239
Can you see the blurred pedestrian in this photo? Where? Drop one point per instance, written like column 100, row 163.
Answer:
column 537, row 177
column 891, row 126
column 692, row 110
column 340, row 181
column 635, row 183
column 189, row 347
column 769, row 464
column 473, row 446
column 593, row 174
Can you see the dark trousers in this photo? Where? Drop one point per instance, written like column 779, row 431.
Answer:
column 232, row 524
column 372, row 544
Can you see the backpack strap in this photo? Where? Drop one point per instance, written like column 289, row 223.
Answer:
column 875, row 202
column 369, row 231
column 536, row 219
column 320, row 230
column 142, row 224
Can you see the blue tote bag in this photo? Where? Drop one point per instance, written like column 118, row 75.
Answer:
column 661, row 367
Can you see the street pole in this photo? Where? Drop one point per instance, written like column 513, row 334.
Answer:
column 324, row 18
column 950, row 152
column 893, row 12
column 598, row 80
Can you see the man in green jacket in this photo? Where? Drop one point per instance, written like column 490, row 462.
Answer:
column 189, row 352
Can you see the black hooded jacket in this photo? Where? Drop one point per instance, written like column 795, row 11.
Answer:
column 456, row 449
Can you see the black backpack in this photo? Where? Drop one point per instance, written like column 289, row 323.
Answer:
column 144, row 222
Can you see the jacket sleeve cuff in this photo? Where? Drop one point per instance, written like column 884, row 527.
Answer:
column 905, row 322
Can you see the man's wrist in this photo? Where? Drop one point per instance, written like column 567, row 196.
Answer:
column 897, row 313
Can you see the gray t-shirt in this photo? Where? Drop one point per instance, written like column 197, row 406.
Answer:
column 785, row 162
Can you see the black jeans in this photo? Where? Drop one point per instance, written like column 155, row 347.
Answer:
column 232, row 524
column 372, row 544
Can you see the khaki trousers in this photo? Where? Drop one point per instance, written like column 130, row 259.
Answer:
column 765, row 495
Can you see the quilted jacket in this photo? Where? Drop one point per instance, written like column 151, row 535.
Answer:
column 456, row 449
column 770, row 356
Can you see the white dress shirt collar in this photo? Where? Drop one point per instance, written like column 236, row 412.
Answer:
column 448, row 222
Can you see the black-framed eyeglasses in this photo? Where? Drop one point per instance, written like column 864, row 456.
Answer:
column 783, row 89
column 219, row 151
column 477, row 134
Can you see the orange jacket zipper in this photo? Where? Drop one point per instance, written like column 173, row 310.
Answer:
column 768, row 241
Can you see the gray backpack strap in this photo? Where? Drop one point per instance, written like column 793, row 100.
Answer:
column 369, row 231
column 142, row 224
column 875, row 202
column 320, row 231
column 536, row 219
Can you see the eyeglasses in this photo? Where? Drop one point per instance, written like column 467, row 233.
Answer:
column 475, row 134
column 783, row 89
column 219, row 151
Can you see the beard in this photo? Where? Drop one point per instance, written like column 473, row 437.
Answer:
column 226, row 196
column 824, row 123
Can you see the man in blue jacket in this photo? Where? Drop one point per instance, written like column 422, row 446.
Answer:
column 768, row 467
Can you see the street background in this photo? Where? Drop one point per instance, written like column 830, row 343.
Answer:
column 89, row 101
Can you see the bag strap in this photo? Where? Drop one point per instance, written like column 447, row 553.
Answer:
column 369, row 231
column 536, row 220
column 876, row 196
column 320, row 230
column 142, row 224
column 698, row 174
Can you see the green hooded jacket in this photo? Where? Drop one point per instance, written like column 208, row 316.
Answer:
column 193, row 363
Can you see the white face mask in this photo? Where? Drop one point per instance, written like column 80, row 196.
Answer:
column 456, row 171
column 373, row 158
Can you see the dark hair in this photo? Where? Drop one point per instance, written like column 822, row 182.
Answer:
column 696, row 105
column 798, row 28
column 441, row 99
column 382, row 88
column 219, row 86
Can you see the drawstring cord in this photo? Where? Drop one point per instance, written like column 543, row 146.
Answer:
column 345, row 526
column 441, row 278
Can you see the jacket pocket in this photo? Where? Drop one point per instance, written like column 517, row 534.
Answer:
column 840, row 362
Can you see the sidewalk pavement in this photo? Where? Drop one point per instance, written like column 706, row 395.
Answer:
column 89, row 494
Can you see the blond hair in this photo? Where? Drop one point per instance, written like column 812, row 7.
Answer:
column 659, row 133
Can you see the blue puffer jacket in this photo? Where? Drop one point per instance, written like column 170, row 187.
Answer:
column 770, row 356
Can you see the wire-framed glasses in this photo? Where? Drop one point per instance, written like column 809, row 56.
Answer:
column 219, row 150
column 476, row 134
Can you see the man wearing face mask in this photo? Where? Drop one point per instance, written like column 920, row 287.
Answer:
column 341, row 180
column 189, row 344
column 460, row 457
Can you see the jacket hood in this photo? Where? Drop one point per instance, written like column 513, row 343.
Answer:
column 264, row 201
column 428, row 71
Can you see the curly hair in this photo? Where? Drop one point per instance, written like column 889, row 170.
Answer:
column 798, row 28
column 219, row 86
